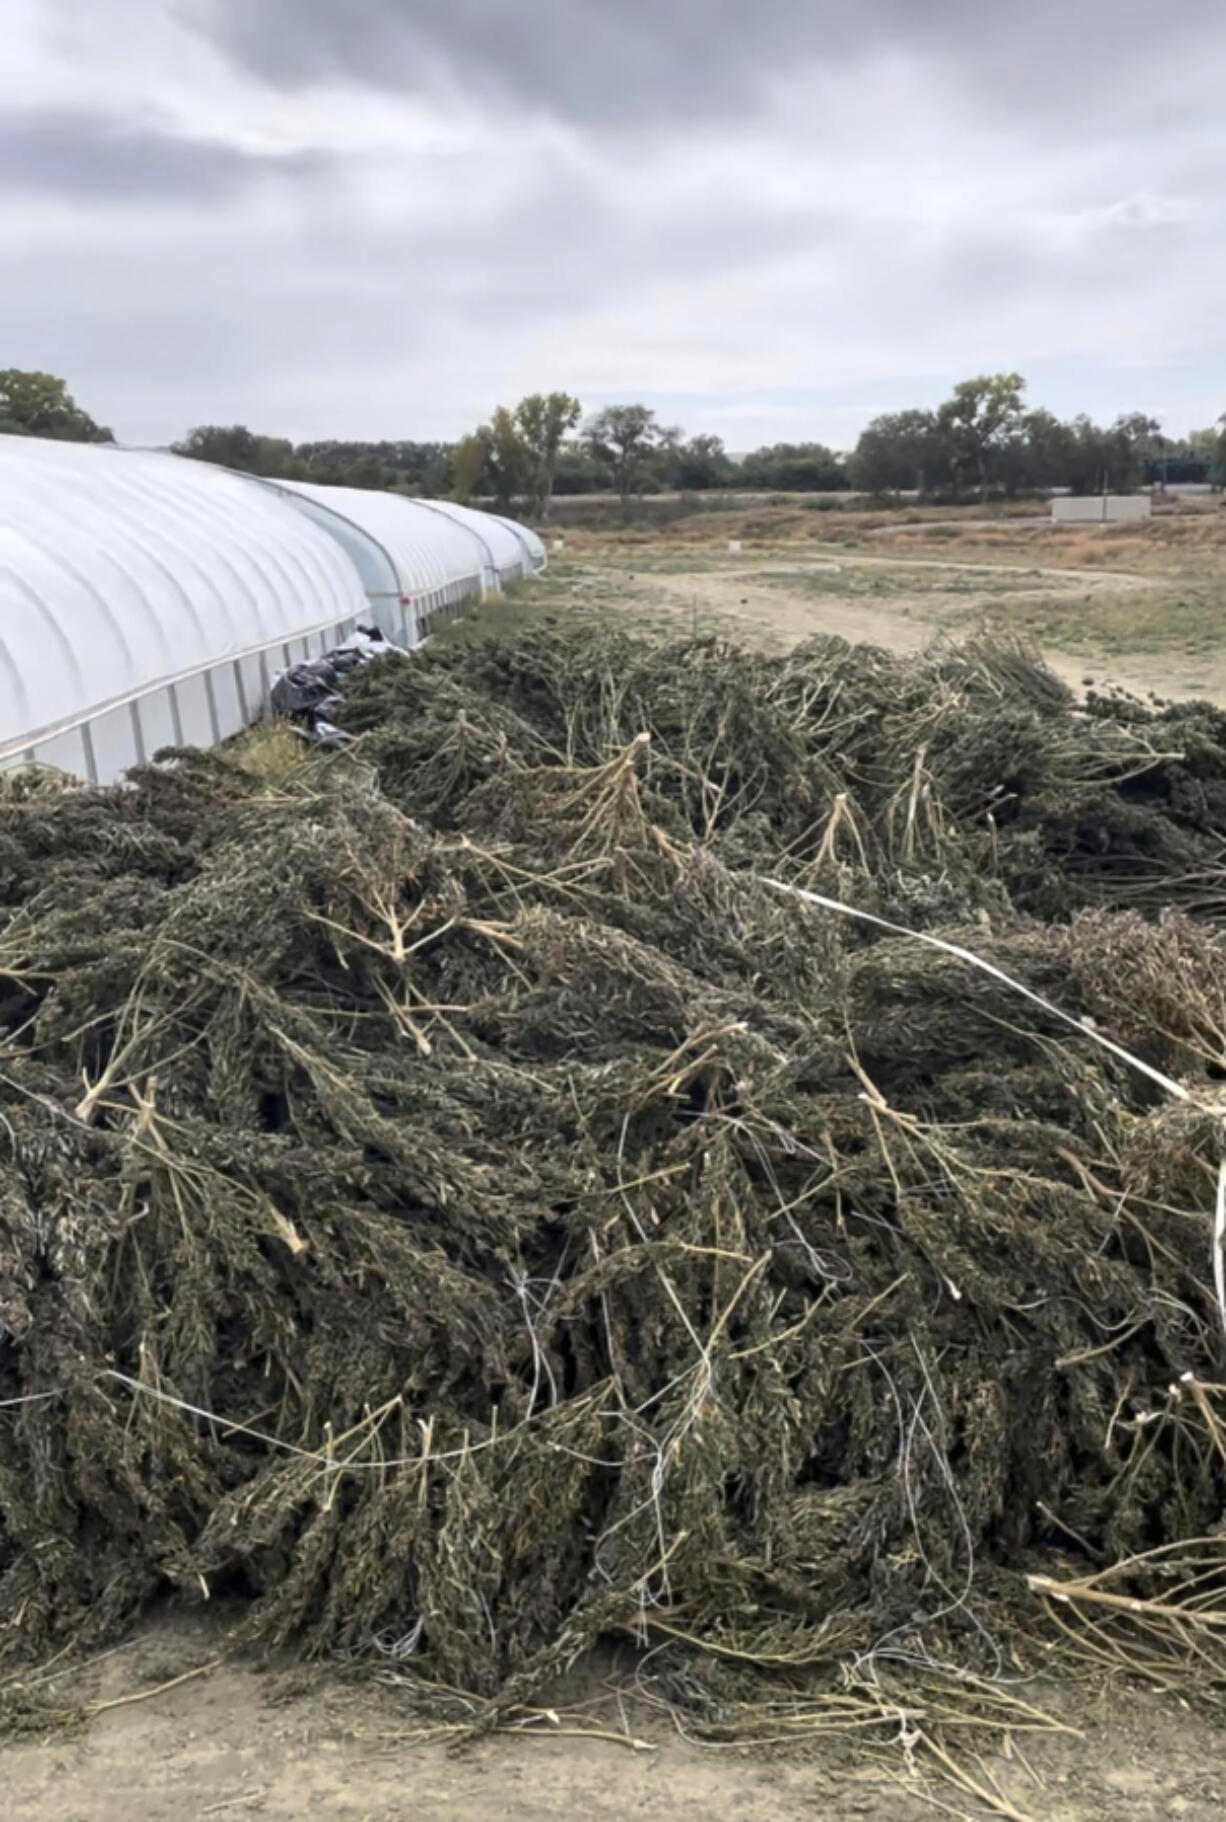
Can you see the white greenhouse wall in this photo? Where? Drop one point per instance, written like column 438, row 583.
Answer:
column 440, row 564
column 533, row 545
column 505, row 552
column 390, row 609
column 147, row 600
column 444, row 554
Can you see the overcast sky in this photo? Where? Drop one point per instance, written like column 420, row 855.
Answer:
column 770, row 219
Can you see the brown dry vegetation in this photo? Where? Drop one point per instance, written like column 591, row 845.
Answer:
column 1136, row 606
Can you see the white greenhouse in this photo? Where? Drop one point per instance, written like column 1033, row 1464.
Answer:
column 150, row 601
column 443, row 554
column 536, row 560
column 439, row 564
column 511, row 551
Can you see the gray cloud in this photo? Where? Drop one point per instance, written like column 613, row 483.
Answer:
column 767, row 218
column 86, row 156
column 613, row 64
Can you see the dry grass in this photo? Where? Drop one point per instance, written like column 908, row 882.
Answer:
column 271, row 751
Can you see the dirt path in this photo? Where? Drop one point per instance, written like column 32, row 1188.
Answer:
column 1023, row 522
column 765, row 614
column 233, row 1743
column 1072, row 579
column 772, row 614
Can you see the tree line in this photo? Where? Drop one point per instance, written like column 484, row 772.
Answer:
column 529, row 452
column 984, row 442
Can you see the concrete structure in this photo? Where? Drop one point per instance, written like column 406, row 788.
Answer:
column 1100, row 508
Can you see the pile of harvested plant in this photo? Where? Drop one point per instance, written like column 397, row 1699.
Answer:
column 453, row 1202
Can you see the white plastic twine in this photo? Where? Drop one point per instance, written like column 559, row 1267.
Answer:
column 1086, row 1031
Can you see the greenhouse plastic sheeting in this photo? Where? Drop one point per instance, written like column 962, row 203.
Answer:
column 509, row 547
column 146, row 600
column 389, row 608
column 534, row 547
column 440, row 564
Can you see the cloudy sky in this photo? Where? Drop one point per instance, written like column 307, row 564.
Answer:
column 767, row 218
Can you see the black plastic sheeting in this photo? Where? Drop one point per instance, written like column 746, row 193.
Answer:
column 308, row 693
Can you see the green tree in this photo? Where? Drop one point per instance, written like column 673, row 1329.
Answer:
column 40, row 405
column 403, row 467
column 542, row 421
column 1113, row 459
column 982, row 420
column 579, row 472
column 1138, row 443
column 625, row 438
column 520, row 449
column 694, row 464
column 508, row 460
column 795, row 468
column 1204, row 446
column 1038, row 457
column 664, row 464
column 1188, row 458
column 234, row 446
column 1101, row 459
column 901, row 450
column 1141, row 431
column 468, row 464
column 1090, row 457
column 703, row 462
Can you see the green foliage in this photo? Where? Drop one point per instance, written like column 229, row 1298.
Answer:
column 507, row 459
column 234, row 446
column 1038, row 456
column 1112, row 459
column 794, row 468
column 900, row 451
column 468, row 466
column 624, row 439
column 981, row 438
column 580, row 472
column 695, row 464
column 984, row 440
column 404, row 467
column 40, row 405
column 981, row 422
column 542, row 422
column 420, row 468
column 515, row 456
column 1198, row 457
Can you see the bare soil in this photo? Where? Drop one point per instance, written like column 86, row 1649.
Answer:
column 773, row 606
column 1134, row 606
column 232, row 1741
